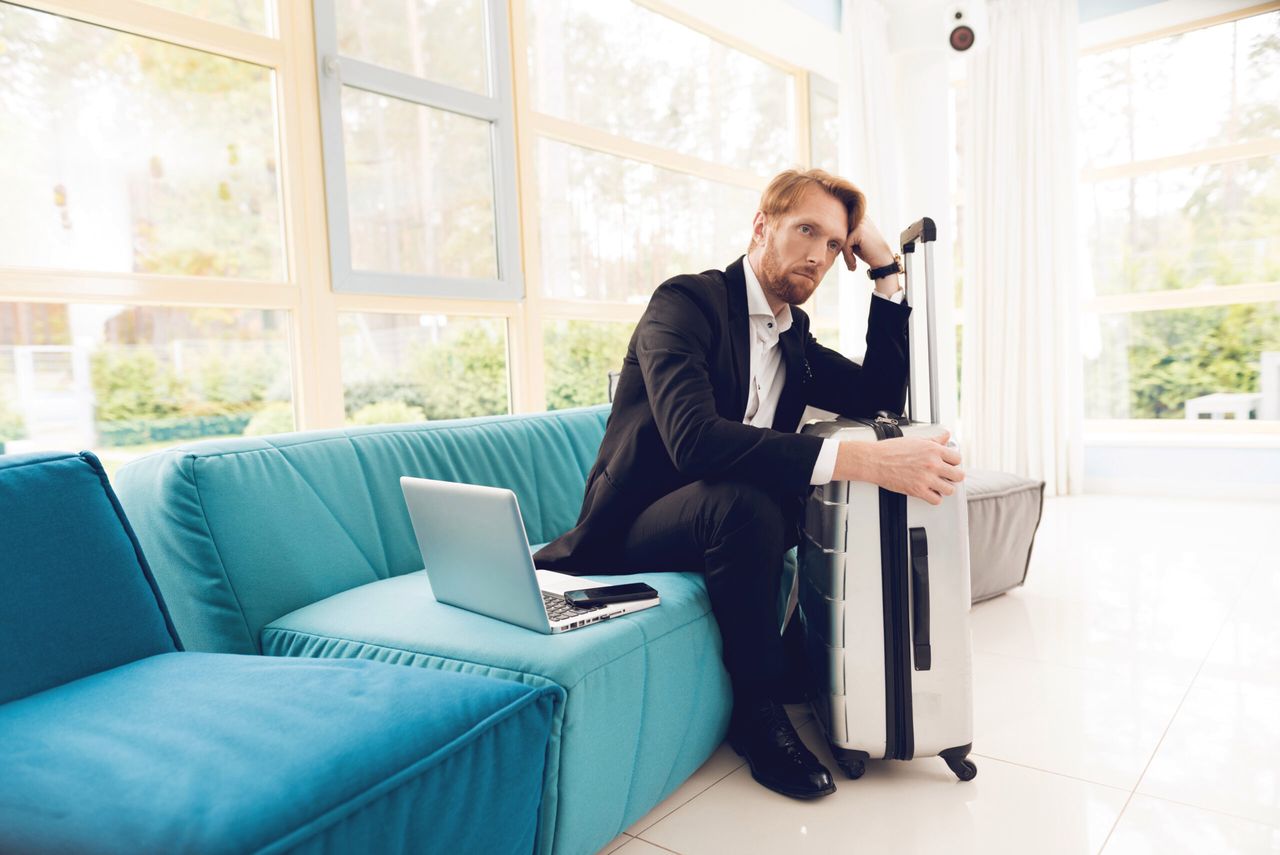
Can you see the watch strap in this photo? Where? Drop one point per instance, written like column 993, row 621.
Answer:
column 881, row 272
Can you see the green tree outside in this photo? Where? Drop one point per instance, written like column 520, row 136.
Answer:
column 579, row 357
column 464, row 377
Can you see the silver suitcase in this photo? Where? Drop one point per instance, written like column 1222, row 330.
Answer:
column 884, row 597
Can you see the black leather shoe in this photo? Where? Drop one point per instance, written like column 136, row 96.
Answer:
column 763, row 734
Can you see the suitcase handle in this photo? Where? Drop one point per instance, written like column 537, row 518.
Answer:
column 925, row 232
column 920, row 599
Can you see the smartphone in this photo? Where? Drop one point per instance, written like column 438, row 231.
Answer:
column 610, row 594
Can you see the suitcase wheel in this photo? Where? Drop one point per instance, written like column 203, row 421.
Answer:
column 852, row 763
column 959, row 762
column 855, row 769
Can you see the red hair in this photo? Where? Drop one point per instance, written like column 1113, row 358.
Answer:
column 786, row 188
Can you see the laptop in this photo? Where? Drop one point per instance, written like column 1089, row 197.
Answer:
column 477, row 557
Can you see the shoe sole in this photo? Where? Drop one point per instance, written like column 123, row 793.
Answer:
column 806, row 795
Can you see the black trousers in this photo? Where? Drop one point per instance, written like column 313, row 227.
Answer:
column 736, row 535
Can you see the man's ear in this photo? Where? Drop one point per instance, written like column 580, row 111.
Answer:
column 757, row 227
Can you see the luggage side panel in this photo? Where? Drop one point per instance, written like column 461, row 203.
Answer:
column 943, row 695
column 841, row 605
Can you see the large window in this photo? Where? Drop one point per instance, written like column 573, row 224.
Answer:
column 1180, row 139
column 419, row 148
column 230, row 217
column 146, row 291
column 646, row 145
column 131, row 155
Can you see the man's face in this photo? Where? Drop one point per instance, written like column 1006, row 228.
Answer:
column 800, row 246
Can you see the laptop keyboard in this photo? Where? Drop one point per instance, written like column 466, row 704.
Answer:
column 558, row 608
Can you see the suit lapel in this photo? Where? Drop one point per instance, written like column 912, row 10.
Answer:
column 739, row 334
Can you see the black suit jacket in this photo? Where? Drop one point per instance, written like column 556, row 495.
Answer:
column 678, row 409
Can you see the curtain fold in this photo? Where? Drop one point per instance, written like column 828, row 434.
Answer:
column 1021, row 387
column 871, row 160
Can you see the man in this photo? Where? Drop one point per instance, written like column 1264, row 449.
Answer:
column 701, row 467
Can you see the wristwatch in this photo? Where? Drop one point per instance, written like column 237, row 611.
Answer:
column 882, row 272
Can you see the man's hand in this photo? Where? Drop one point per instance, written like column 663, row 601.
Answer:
column 923, row 468
column 867, row 243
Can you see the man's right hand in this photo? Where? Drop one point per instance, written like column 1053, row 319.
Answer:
column 923, row 468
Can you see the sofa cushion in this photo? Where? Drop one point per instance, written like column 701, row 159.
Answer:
column 78, row 596
column 240, row 532
column 207, row 753
column 645, row 696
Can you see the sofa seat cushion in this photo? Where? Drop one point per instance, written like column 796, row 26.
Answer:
column 647, row 689
column 190, row 752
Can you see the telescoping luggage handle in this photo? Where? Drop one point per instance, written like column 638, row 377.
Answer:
column 924, row 232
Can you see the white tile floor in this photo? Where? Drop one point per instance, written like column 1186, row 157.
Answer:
column 1128, row 701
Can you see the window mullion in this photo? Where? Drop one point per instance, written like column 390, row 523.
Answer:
column 396, row 84
column 1184, row 298
column 1201, row 157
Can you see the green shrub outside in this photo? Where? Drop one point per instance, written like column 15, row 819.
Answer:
column 275, row 417
column 387, row 413
column 131, row 385
column 579, row 357
column 357, row 396
column 145, row 431
column 12, row 425
column 140, row 400
column 463, row 378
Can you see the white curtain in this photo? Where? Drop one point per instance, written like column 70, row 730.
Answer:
column 1020, row 388
column 871, row 159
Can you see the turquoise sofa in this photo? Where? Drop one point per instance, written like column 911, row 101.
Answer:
column 300, row 545
column 115, row 740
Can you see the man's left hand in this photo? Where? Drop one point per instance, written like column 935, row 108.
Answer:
column 867, row 243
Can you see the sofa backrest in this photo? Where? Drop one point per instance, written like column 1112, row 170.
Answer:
column 76, row 596
column 244, row 531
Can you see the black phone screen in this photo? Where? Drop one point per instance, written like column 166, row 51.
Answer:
column 611, row 594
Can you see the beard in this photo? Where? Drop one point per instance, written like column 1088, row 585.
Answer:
column 786, row 285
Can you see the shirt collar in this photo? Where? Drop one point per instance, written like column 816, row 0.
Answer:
column 758, row 305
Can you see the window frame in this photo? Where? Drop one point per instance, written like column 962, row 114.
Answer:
column 335, row 71
column 1218, row 432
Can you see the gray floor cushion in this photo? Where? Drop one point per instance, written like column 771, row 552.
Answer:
column 1004, row 513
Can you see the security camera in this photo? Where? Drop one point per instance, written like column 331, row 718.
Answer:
column 967, row 23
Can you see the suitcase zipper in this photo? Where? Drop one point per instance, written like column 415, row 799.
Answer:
column 899, row 732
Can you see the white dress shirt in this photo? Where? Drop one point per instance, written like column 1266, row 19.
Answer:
column 766, row 373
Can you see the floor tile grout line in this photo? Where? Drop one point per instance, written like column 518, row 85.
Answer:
column 1049, row 772
column 1221, row 627
column 1215, row 811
